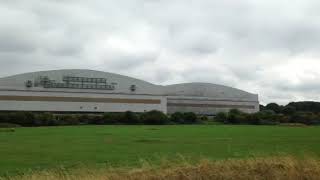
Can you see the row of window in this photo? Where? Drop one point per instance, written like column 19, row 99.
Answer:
column 84, row 79
column 79, row 86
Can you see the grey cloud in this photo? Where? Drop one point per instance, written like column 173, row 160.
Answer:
column 236, row 43
column 197, row 43
column 307, row 87
column 14, row 43
column 128, row 61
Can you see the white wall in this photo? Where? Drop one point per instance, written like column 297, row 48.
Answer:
column 205, row 105
column 80, row 106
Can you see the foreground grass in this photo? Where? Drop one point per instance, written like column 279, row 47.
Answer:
column 118, row 146
column 276, row 168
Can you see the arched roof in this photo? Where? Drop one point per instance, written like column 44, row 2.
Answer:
column 123, row 83
column 208, row 90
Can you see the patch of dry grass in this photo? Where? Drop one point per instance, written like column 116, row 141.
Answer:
column 276, row 168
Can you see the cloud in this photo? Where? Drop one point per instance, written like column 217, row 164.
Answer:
column 266, row 47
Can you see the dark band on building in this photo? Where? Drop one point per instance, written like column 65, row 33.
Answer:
column 79, row 99
column 211, row 105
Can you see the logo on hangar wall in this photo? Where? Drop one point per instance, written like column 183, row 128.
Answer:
column 72, row 82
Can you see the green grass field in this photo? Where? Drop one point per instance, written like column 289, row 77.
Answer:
column 49, row 147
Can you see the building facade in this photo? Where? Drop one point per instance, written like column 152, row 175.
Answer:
column 79, row 90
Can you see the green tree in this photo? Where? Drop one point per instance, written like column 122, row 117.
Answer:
column 274, row 107
column 289, row 110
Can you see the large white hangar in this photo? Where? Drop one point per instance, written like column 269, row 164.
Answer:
column 77, row 90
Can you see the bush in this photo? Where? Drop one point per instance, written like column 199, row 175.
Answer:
column 154, row 117
column 234, row 116
column 94, row 119
column 84, row 119
column 110, row 118
column 253, row 119
column 183, row 118
column 308, row 118
column 268, row 122
column 190, row 117
column 268, row 117
column 177, row 118
column 43, row 119
column 130, row 118
column 204, row 118
column 4, row 118
column 22, row 118
column 221, row 117
column 68, row 120
column 9, row 125
column 53, row 122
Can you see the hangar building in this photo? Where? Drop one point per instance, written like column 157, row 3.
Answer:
column 78, row 90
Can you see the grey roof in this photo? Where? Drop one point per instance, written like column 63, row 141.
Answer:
column 123, row 82
column 209, row 90
column 199, row 90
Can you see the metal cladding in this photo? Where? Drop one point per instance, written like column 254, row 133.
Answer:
column 77, row 90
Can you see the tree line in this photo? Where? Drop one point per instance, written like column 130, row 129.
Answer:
column 306, row 112
column 295, row 112
column 30, row 119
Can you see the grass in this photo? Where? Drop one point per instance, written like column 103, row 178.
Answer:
column 125, row 146
column 277, row 168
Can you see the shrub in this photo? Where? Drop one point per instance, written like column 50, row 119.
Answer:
column 9, row 125
column 190, row 117
column 308, row 118
column 254, row 119
column 221, row 117
column 43, row 119
column 154, row 117
column 84, row 119
column 130, row 118
column 68, row 120
column 53, row 122
column 204, row 118
column 4, row 118
column 177, row 117
column 109, row 118
column 22, row 118
column 234, row 116
column 95, row 119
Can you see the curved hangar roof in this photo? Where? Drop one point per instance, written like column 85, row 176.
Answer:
column 209, row 90
column 80, row 80
column 70, row 80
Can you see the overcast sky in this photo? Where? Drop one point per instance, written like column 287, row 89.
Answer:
column 268, row 47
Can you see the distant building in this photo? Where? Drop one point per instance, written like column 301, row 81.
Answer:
column 95, row 91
